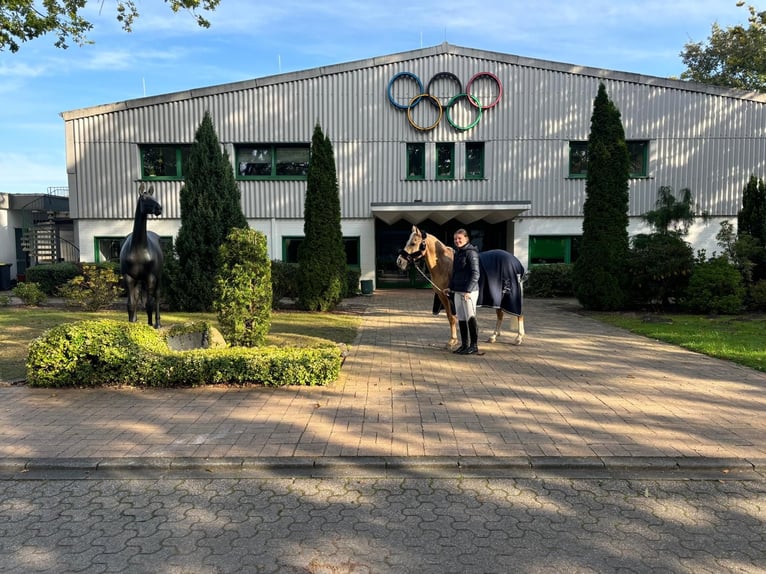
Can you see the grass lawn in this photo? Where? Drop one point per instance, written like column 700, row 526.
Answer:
column 737, row 338
column 20, row 325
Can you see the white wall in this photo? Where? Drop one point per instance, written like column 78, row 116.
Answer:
column 274, row 229
column 7, row 234
column 701, row 234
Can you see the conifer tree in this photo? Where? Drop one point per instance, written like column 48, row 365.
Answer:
column 321, row 255
column 751, row 220
column 599, row 275
column 210, row 209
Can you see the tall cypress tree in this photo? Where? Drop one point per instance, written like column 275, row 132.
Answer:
column 321, row 255
column 751, row 220
column 599, row 275
column 210, row 209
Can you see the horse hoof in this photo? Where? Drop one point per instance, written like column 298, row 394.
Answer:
column 492, row 340
column 517, row 341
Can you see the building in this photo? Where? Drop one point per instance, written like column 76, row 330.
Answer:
column 34, row 228
column 443, row 137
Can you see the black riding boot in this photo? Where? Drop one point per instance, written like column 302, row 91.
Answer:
column 473, row 328
column 463, row 338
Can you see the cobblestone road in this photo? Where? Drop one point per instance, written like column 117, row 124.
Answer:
column 400, row 525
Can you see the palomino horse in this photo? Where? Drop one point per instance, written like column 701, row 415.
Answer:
column 141, row 260
column 499, row 286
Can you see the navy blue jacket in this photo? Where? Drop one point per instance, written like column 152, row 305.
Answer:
column 465, row 270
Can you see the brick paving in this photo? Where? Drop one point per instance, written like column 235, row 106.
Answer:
column 575, row 388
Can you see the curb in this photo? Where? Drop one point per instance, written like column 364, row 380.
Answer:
column 372, row 466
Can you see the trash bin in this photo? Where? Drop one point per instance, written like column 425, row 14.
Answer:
column 5, row 276
column 366, row 286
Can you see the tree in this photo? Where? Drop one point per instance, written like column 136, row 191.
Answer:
column 661, row 263
column 599, row 272
column 210, row 209
column 670, row 214
column 733, row 57
column 751, row 227
column 24, row 20
column 243, row 288
column 321, row 255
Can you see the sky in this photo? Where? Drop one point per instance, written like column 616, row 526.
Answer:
column 248, row 39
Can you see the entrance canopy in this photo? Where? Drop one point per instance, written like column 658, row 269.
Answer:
column 441, row 212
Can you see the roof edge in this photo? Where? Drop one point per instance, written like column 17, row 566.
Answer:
column 443, row 48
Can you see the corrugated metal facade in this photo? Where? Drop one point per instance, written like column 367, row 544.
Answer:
column 710, row 140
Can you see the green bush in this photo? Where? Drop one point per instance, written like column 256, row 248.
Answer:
column 30, row 293
column 758, row 296
column 553, row 280
column 352, row 282
column 4, row 300
column 715, row 287
column 97, row 288
column 659, row 266
column 51, row 276
column 284, row 281
column 109, row 352
column 242, row 293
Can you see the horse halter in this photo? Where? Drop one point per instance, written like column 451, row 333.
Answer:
column 412, row 257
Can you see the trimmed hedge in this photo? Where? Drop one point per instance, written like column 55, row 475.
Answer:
column 51, row 276
column 110, row 352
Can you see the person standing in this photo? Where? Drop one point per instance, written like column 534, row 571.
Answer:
column 465, row 285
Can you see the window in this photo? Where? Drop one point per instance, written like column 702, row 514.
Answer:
column 578, row 159
column 108, row 248
column 638, row 152
column 553, row 249
column 445, row 161
column 290, row 247
column 474, row 160
column 271, row 161
column 416, row 165
column 163, row 161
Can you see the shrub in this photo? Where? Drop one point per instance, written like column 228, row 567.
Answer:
column 97, row 288
column 715, row 287
column 51, row 276
column 352, row 282
column 284, row 281
column 553, row 280
column 109, row 352
column 242, row 294
column 4, row 300
column 29, row 293
column 659, row 267
column 758, row 295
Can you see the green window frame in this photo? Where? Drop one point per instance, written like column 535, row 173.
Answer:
column 273, row 161
column 638, row 153
column 550, row 249
column 163, row 161
column 107, row 247
column 291, row 243
column 578, row 159
column 416, row 161
column 445, row 160
column 474, row 160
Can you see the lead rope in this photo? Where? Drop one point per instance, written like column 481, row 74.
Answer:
column 426, row 277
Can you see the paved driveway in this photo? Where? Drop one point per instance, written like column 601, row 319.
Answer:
column 575, row 388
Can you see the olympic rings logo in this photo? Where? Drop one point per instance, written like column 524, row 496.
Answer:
column 409, row 86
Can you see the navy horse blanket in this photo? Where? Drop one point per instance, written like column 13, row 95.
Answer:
column 499, row 283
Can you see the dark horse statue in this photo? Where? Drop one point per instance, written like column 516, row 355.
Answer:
column 141, row 260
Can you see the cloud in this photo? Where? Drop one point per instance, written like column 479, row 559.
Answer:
column 30, row 173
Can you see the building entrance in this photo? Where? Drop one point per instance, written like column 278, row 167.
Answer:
column 390, row 239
